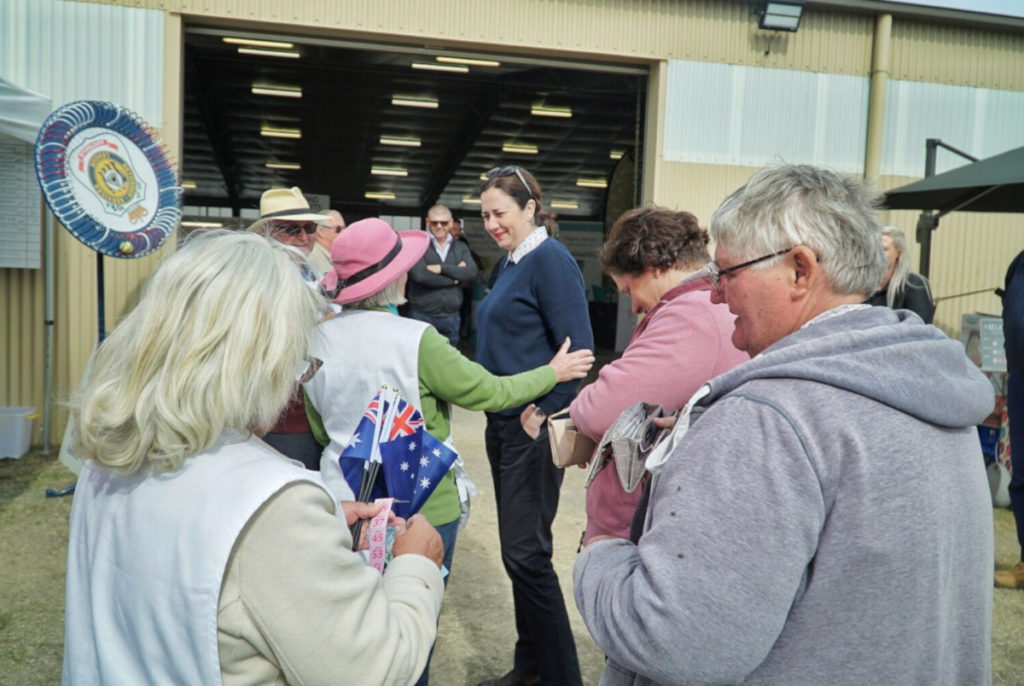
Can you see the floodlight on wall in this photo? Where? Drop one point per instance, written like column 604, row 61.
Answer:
column 779, row 15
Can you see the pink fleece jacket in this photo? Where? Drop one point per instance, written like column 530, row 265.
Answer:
column 681, row 343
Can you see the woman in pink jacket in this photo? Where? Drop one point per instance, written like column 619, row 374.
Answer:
column 683, row 340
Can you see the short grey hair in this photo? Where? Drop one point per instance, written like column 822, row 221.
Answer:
column 390, row 295
column 786, row 205
column 901, row 269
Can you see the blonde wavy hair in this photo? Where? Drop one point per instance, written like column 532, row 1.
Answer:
column 215, row 342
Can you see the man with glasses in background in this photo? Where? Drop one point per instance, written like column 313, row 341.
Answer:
column 435, row 282
column 820, row 513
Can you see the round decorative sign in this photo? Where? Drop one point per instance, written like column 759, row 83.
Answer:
column 107, row 179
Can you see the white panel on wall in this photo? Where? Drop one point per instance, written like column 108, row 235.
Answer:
column 20, row 206
column 980, row 121
column 749, row 116
column 85, row 51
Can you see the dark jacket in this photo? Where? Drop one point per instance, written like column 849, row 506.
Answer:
column 439, row 295
column 1013, row 315
column 916, row 297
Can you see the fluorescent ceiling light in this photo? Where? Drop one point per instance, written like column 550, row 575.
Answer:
column 430, row 66
column 389, row 171
column 469, row 61
column 281, row 45
column 565, row 205
column 470, row 200
column 273, row 132
column 591, row 183
column 379, row 195
column 616, row 154
column 188, row 185
column 269, row 53
column 780, row 16
column 283, row 165
column 277, row 91
column 202, row 225
column 414, row 101
column 519, row 148
column 403, row 142
column 539, row 110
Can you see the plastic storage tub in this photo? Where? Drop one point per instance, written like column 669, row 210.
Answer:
column 15, row 430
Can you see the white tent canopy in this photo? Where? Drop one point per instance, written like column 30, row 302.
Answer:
column 22, row 111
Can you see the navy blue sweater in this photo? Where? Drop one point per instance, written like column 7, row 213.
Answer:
column 531, row 308
column 1013, row 315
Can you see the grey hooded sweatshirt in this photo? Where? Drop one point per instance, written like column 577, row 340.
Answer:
column 826, row 520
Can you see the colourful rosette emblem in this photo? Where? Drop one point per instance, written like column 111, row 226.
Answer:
column 107, row 179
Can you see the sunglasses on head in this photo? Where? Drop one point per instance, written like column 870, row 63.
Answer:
column 295, row 228
column 499, row 172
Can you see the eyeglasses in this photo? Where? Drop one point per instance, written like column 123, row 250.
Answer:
column 310, row 366
column 439, row 222
column 716, row 276
column 294, row 229
column 499, row 172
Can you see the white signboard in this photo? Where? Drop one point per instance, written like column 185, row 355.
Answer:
column 20, row 206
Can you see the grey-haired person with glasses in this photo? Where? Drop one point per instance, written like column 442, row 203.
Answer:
column 820, row 513
column 535, row 303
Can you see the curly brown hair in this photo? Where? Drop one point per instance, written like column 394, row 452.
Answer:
column 654, row 238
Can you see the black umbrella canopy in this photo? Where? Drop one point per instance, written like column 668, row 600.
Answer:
column 994, row 184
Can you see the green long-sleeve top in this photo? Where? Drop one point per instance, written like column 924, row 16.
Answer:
column 447, row 376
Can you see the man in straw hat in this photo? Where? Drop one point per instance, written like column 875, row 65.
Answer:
column 285, row 216
column 368, row 345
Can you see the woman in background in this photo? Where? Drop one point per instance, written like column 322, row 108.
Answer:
column 655, row 257
column 192, row 542
column 367, row 345
column 536, row 301
column 902, row 289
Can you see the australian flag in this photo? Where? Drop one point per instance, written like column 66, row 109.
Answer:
column 412, row 462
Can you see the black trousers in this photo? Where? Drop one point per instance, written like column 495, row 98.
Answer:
column 526, row 488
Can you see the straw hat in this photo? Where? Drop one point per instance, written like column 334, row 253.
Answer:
column 285, row 204
column 368, row 255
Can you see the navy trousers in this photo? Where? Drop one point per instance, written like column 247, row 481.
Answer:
column 526, row 488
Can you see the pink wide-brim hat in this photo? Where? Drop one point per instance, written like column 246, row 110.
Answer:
column 368, row 255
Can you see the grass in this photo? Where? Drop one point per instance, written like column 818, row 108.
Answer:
column 33, row 543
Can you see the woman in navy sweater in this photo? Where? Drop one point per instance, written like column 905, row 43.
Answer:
column 536, row 301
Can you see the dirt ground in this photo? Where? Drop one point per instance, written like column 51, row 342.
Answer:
column 477, row 630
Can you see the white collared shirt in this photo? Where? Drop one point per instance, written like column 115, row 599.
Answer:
column 536, row 237
column 442, row 250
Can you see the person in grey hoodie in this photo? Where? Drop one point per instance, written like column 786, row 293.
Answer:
column 819, row 514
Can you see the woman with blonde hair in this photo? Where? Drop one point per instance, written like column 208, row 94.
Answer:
column 184, row 523
column 902, row 289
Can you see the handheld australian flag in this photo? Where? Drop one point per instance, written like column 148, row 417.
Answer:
column 412, row 462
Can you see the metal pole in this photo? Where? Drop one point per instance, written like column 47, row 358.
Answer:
column 48, row 278
column 880, row 60
column 927, row 222
column 101, row 310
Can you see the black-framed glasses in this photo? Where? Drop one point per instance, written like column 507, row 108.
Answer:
column 310, row 366
column 509, row 171
column 294, row 229
column 716, row 276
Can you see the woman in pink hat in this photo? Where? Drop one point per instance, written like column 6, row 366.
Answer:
column 368, row 345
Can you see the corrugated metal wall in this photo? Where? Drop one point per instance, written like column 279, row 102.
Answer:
column 71, row 51
column 970, row 251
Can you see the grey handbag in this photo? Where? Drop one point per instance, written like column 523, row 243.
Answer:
column 627, row 443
